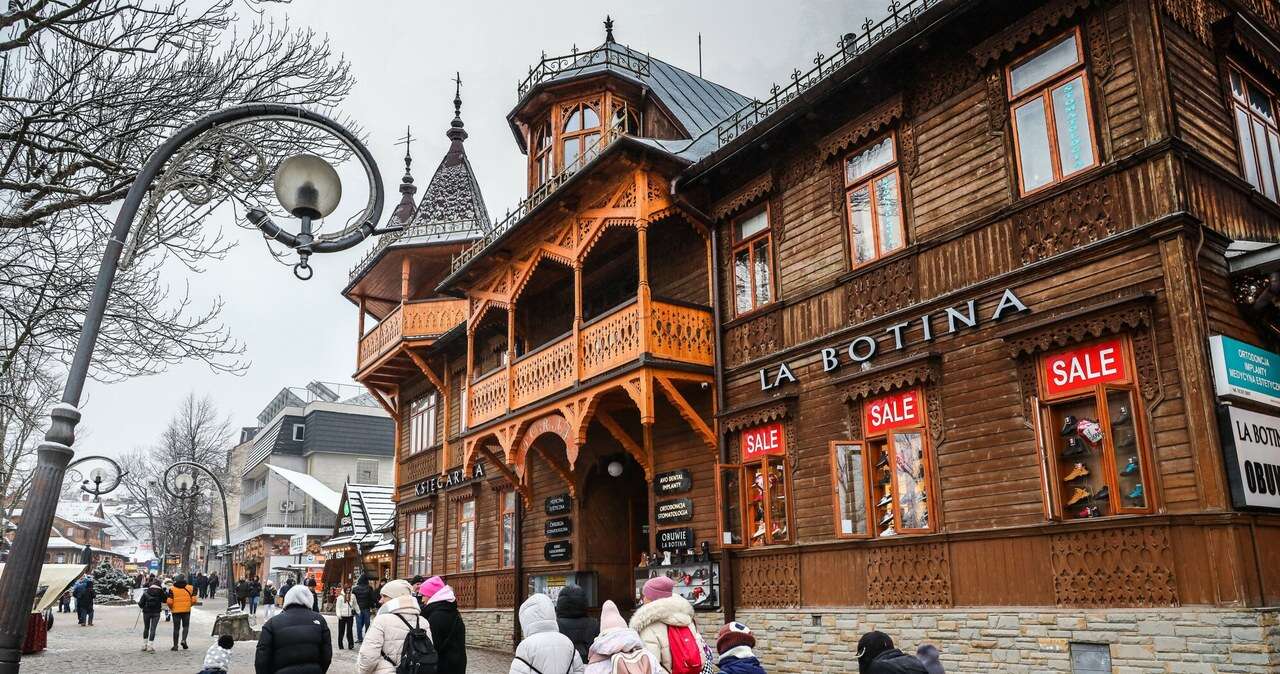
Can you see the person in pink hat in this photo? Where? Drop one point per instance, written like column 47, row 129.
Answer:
column 666, row 625
column 619, row 648
column 448, row 632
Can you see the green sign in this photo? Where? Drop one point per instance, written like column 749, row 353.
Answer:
column 1245, row 371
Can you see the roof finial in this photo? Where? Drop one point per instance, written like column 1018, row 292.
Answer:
column 456, row 133
column 608, row 28
column 408, row 158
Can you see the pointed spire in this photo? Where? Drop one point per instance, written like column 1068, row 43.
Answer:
column 456, row 132
column 404, row 210
column 608, row 28
column 408, row 158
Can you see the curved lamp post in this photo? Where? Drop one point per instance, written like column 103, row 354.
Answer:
column 187, row 490
column 96, row 478
column 306, row 190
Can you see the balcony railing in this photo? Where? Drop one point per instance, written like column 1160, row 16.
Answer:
column 252, row 527
column 428, row 232
column 251, row 501
column 672, row 331
column 423, row 319
column 609, row 56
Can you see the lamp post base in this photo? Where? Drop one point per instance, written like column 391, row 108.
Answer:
column 236, row 624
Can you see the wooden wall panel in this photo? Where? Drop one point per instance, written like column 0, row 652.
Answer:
column 1121, row 98
column 678, row 446
column 1199, row 108
column 834, row 577
column 678, row 262
column 543, row 482
column 1267, row 545
column 809, row 237
column 1020, row 563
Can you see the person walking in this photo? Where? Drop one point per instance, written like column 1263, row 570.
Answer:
column 573, row 621
column 295, row 642
column 64, row 602
column 167, row 584
column 618, row 648
column 180, row 602
column 84, row 595
column 242, row 592
column 255, row 592
column 310, row 583
column 665, row 623
column 544, row 650
column 345, row 611
column 151, row 603
column 440, row 606
column 366, row 601
column 384, row 643
column 268, row 600
column 876, row 655
column 929, row 656
column 733, row 644
column 213, row 584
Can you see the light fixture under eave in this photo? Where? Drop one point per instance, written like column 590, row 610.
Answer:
column 615, row 468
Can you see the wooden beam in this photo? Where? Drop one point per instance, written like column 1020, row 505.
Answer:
column 506, row 471
column 620, row 434
column 559, row 469
column 379, row 395
column 690, row 415
column 426, row 370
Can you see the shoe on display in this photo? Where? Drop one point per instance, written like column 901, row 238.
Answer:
column 1102, row 494
column 1076, row 473
column 779, row 533
column 1068, row 425
column 888, row 498
column 1074, row 448
column 1137, row 493
column 1090, row 511
column 1077, row 496
column 884, row 460
column 1127, row 441
column 889, row 532
column 666, row 558
column 1131, row 467
column 759, row 532
column 888, row 517
column 1122, row 417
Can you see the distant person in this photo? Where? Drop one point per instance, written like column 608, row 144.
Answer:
column 448, row 632
column 151, row 603
column 876, row 655
column 544, row 649
column 618, row 649
column 242, row 592
column 310, row 583
column 366, row 601
column 180, row 602
column 295, row 642
column 84, row 595
column 213, row 584
column 217, row 660
column 64, row 602
column 346, row 612
column 268, row 600
column 665, row 622
column 201, row 582
column 398, row 633
column 255, row 593
column 573, row 621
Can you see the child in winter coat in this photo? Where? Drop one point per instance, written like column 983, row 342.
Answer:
column 544, row 649
column 618, row 647
column 217, row 660
column 734, row 643
column 665, row 616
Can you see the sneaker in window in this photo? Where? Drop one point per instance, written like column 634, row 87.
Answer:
column 889, row 532
column 1102, row 494
column 1076, row 473
column 1137, row 494
column 887, row 519
column 1121, row 418
column 1077, row 496
column 884, row 460
column 1090, row 511
column 1068, row 426
column 759, row 532
column 888, row 498
column 1074, row 448
column 1131, row 467
column 1127, row 441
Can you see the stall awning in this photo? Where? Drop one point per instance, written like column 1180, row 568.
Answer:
column 310, row 486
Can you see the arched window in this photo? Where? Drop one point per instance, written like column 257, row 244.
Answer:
column 543, row 157
column 580, row 130
column 625, row 119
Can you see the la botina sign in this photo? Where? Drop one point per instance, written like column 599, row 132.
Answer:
column 863, row 348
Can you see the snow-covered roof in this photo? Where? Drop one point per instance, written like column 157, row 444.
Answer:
column 310, row 486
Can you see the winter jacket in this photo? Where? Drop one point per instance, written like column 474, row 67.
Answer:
column 366, row 597
column 544, row 647
column 894, row 661
column 242, row 590
column 84, row 593
column 180, row 599
column 931, row 659
column 739, row 660
column 448, row 632
column 268, row 595
column 386, row 635
column 295, row 641
column 217, row 657
column 152, row 600
column 573, row 621
column 613, row 642
column 255, row 589
column 652, row 619
column 342, row 607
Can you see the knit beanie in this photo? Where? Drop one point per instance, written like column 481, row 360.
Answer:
column 431, row 586
column 610, row 618
column 869, row 646
column 397, row 588
column 658, row 588
column 732, row 635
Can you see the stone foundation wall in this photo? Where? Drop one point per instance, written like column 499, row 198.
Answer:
column 1187, row 640
column 489, row 628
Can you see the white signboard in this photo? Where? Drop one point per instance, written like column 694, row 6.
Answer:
column 297, row 544
column 1251, row 442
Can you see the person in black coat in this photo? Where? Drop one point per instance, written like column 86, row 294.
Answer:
column 242, row 592
column 876, row 655
column 213, row 584
column 366, row 601
column 572, row 618
column 152, row 604
column 448, row 632
column 295, row 642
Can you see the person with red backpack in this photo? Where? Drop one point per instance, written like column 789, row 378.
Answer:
column 666, row 625
column 618, row 648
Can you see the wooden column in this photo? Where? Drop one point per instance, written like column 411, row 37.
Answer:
column 647, row 434
column 360, row 332
column 444, row 400
column 395, row 461
column 405, row 265
column 642, row 292
column 467, row 378
column 511, row 353
column 577, row 320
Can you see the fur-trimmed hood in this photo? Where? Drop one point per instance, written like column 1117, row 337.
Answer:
column 672, row 610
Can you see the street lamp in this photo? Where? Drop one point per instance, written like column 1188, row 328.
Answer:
column 185, row 484
column 196, row 163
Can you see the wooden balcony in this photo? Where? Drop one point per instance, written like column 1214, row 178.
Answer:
column 410, row 322
column 674, row 332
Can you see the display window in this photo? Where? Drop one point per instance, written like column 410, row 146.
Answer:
column 851, row 490
column 507, row 527
column 755, row 494
column 467, row 535
column 1094, row 438
column 421, row 535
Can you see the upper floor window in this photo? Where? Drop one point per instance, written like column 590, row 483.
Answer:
column 543, row 154
column 299, row 431
column 422, row 422
column 874, row 200
column 580, row 130
column 1255, row 113
column 752, row 262
column 507, row 524
column 366, row 471
column 467, row 535
column 1052, row 124
column 624, row 118
column 421, row 539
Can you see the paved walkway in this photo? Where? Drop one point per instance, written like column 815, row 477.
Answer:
column 114, row 646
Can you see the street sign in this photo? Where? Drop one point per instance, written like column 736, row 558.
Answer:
column 297, row 544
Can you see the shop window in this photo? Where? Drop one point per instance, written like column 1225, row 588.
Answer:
column 422, row 422
column 1053, row 130
column 755, row 494
column 421, row 539
column 467, row 536
column 543, row 154
column 852, row 507
column 752, row 262
column 1097, row 460
column 579, row 133
column 366, row 471
column 873, row 198
column 897, row 460
column 1255, row 113
column 507, row 527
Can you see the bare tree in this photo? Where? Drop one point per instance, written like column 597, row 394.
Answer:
column 25, row 398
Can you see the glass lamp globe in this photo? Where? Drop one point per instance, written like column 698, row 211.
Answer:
column 615, row 468
column 307, row 186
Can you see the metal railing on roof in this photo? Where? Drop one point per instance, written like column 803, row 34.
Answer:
column 848, row 48
column 609, row 56
column 417, row 229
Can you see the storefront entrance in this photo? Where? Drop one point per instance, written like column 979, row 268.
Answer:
column 615, row 520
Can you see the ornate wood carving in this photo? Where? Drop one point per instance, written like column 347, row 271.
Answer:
column 914, row 370
column 933, row 409
column 1027, row 388
column 803, row 162
column 769, row 581
column 909, row 576
column 753, row 339
column 1195, row 16
column 464, row 587
column 860, row 128
column 1078, row 322
column 761, row 413
column 1128, row 567
column 877, row 293
column 744, row 197
column 910, row 157
column 505, row 590
column 1030, row 27
column 1099, row 40
column 997, row 107
column 938, row 79
column 1067, row 221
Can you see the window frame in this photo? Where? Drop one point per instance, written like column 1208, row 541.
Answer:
column 1043, row 90
column 866, row 489
column 868, row 181
column 1242, row 105
column 299, row 427
column 744, row 469
column 561, row 136
column 749, row 244
column 542, row 159
column 426, row 414
column 884, row 439
column 377, row 470
column 1098, row 392
column 503, row 513
column 462, row 521
column 427, row 533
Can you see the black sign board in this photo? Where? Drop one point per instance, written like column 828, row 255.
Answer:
column 559, row 504
column 558, row 551
column 558, row 527
column 675, row 539
column 675, row 510
column 673, row 482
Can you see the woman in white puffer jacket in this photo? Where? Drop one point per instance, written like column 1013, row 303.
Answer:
column 544, row 650
column 384, row 642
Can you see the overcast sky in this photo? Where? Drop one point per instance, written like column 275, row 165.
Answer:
column 403, row 55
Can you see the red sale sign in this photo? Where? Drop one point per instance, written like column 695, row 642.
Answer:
column 1086, row 366
column 761, row 440
column 892, row 411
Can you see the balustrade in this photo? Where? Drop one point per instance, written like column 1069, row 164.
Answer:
column 429, row 318
column 487, row 398
column 611, row 340
column 548, row 370
column 681, row 333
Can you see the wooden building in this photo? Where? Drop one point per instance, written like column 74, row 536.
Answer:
column 962, row 334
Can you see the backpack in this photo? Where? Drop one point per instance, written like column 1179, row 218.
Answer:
column 635, row 662
column 418, row 655
column 686, row 657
